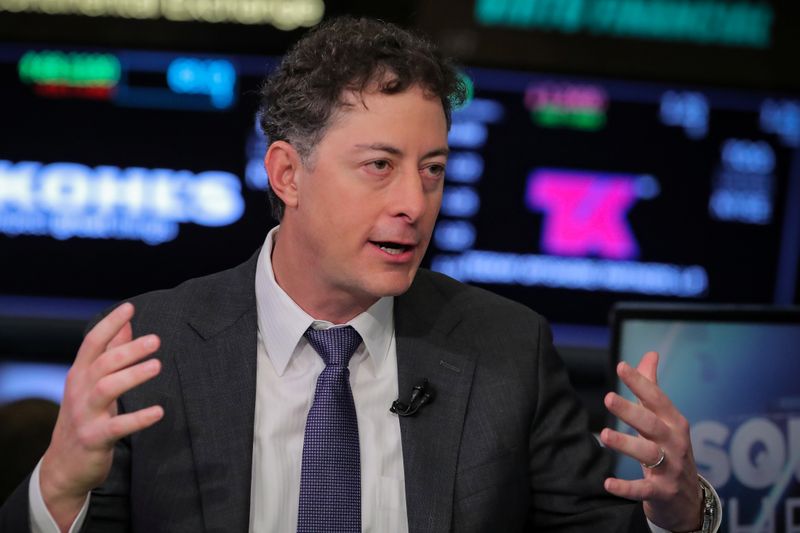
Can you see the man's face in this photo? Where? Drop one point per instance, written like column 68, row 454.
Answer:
column 368, row 198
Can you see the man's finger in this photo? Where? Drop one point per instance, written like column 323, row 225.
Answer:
column 97, row 340
column 123, row 356
column 638, row 489
column 642, row 450
column 112, row 386
column 638, row 417
column 123, row 425
column 648, row 366
column 647, row 392
column 123, row 335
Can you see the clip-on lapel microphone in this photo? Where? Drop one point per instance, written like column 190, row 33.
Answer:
column 421, row 395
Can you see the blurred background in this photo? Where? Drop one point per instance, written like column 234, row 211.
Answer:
column 611, row 151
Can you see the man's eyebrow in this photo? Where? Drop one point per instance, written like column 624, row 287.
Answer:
column 445, row 151
column 388, row 148
column 380, row 147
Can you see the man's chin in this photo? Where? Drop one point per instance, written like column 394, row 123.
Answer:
column 393, row 284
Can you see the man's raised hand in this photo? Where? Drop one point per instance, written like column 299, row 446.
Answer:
column 109, row 363
column 670, row 489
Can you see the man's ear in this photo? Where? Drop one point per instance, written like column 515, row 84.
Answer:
column 283, row 166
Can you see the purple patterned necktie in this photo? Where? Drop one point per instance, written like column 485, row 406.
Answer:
column 330, row 479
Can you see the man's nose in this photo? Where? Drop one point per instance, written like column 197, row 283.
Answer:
column 409, row 196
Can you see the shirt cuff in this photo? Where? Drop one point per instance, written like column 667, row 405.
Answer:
column 40, row 518
column 717, row 516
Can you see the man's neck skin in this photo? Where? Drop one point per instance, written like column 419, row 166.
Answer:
column 293, row 275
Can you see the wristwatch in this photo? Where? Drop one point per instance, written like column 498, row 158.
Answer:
column 709, row 509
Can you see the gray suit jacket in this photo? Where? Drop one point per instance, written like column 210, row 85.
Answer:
column 503, row 447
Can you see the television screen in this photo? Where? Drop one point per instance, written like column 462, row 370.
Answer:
column 123, row 171
column 732, row 372
column 571, row 194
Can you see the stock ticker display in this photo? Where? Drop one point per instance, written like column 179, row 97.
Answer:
column 123, row 171
column 568, row 194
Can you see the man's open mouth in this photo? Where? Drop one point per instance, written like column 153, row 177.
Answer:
column 392, row 248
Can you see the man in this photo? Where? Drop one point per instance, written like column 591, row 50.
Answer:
column 266, row 404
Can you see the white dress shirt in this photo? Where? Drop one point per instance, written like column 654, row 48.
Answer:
column 287, row 371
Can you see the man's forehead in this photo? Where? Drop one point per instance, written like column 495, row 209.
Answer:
column 353, row 96
column 361, row 104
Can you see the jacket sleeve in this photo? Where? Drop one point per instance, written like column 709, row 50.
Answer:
column 567, row 464
column 14, row 514
column 109, row 507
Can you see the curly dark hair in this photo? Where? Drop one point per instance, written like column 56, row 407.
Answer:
column 348, row 54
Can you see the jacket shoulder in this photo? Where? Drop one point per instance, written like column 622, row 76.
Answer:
column 225, row 295
column 470, row 300
column 202, row 290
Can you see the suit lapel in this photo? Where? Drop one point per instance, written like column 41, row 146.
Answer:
column 218, row 381
column 431, row 439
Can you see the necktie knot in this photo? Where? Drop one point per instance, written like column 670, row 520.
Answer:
column 335, row 345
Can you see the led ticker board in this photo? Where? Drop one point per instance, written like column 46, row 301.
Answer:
column 569, row 194
column 123, row 171
column 283, row 14
column 726, row 23
column 71, row 74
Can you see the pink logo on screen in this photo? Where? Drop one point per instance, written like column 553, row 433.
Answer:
column 585, row 212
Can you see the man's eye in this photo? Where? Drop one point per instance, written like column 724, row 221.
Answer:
column 435, row 171
column 380, row 164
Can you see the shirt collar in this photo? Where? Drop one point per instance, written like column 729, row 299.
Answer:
column 282, row 322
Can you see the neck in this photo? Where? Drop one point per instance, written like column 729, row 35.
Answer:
column 322, row 302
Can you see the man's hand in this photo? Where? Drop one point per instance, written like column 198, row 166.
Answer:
column 670, row 491
column 80, row 453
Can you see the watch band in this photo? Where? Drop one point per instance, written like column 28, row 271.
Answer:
column 709, row 509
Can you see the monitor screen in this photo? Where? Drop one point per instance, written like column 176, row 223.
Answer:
column 571, row 194
column 732, row 372
column 123, row 171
